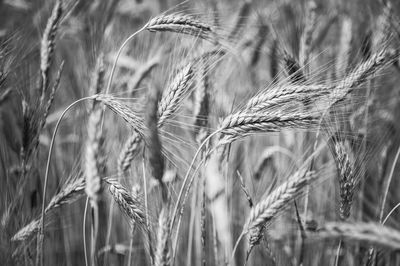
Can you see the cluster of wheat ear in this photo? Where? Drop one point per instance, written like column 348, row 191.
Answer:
column 305, row 118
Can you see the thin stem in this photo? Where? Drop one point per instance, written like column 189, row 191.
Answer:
column 236, row 245
column 193, row 213
column 115, row 66
column 41, row 230
column 94, row 232
column 146, row 207
column 84, row 231
column 183, row 203
column 118, row 55
column 109, row 226
column 131, row 244
column 390, row 213
column 187, row 177
column 338, row 253
column 388, row 184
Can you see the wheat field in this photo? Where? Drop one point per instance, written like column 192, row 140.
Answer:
column 232, row 132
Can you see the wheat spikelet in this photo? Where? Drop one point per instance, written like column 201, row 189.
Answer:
column 361, row 73
column 239, row 125
column 128, row 153
column 307, row 36
column 68, row 194
column 129, row 205
column 373, row 233
column 48, row 44
column 180, row 23
column 93, row 180
column 162, row 256
column 266, row 209
column 346, row 175
column 280, row 95
column 27, row 231
column 48, row 105
column 124, row 111
column 175, row 93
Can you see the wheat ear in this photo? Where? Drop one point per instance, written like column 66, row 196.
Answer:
column 269, row 207
column 48, row 44
column 370, row 232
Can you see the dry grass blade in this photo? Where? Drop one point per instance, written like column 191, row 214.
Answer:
column 156, row 158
